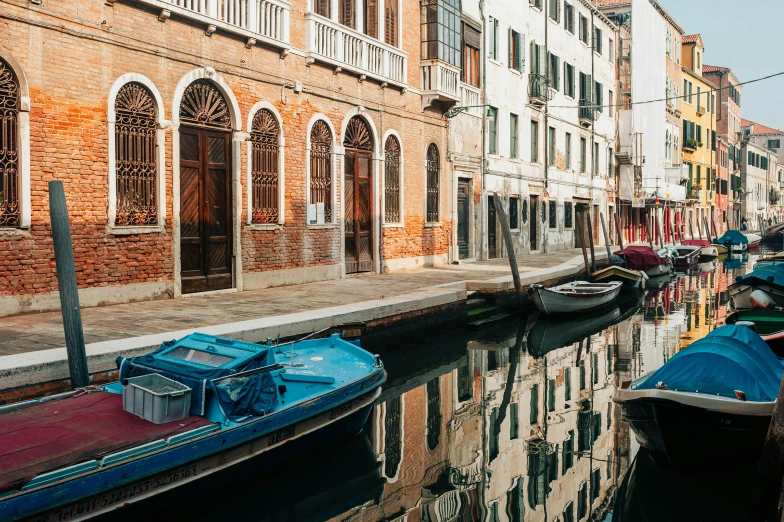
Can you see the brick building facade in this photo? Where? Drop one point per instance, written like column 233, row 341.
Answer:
column 216, row 145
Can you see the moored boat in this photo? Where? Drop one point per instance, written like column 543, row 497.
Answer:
column 769, row 324
column 87, row 452
column 577, row 296
column 754, row 240
column 775, row 258
column 734, row 240
column 706, row 248
column 710, row 404
column 641, row 257
column 685, row 256
column 773, row 233
column 631, row 279
column 768, row 278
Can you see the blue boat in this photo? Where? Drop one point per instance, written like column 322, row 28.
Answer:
column 734, row 240
column 710, row 404
column 767, row 278
column 211, row 403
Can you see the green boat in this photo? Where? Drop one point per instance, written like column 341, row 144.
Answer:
column 769, row 324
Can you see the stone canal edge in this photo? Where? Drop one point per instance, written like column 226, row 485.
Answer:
column 35, row 374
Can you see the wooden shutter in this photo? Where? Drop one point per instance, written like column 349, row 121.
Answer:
column 589, row 88
column 542, row 57
column 533, row 69
column 371, row 18
column 347, row 13
column 557, row 72
column 521, row 51
column 558, row 11
column 390, row 22
column 323, row 8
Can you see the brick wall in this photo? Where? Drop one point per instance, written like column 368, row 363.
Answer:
column 73, row 51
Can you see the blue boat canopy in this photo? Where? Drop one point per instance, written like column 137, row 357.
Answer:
column 730, row 358
column 765, row 273
column 734, row 237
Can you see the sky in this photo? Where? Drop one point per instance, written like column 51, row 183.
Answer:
column 748, row 37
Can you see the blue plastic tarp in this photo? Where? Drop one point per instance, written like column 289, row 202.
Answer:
column 734, row 237
column 730, row 358
column 765, row 273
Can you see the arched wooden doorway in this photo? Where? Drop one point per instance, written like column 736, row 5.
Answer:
column 358, row 209
column 205, row 189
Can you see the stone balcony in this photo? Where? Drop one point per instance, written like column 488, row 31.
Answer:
column 344, row 48
column 264, row 21
column 440, row 81
column 471, row 96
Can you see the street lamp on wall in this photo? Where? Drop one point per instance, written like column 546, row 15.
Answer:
column 454, row 111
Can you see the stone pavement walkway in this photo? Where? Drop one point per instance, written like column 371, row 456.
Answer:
column 42, row 331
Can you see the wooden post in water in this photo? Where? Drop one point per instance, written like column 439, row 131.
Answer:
column 606, row 236
column 648, row 233
column 659, row 230
column 66, row 283
column 699, row 227
column 620, row 232
column 707, row 228
column 672, row 234
column 582, row 244
column 510, row 251
column 591, row 217
column 767, row 481
column 691, row 229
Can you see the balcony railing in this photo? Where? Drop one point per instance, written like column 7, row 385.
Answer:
column 471, row 96
column 333, row 43
column 700, row 110
column 440, row 81
column 262, row 20
column 538, row 88
column 586, row 113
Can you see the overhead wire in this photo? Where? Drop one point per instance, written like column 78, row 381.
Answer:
column 685, row 96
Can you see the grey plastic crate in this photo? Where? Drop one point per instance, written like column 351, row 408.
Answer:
column 156, row 398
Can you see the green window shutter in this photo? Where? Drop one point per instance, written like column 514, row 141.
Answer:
column 521, row 52
column 542, row 58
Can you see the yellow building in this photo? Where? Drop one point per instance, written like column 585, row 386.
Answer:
column 698, row 138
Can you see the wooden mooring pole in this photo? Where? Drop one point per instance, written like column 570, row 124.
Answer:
column 591, row 218
column 620, row 232
column 648, row 233
column 606, row 236
column 510, row 251
column 659, row 230
column 707, row 228
column 691, row 229
column 582, row 245
column 66, row 283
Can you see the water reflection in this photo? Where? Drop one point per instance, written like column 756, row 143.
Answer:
column 515, row 423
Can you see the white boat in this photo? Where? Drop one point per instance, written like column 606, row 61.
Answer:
column 706, row 248
column 754, row 239
column 577, row 296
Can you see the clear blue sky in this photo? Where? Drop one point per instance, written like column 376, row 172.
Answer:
column 748, row 37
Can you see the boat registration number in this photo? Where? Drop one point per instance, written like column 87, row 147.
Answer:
column 281, row 435
column 99, row 503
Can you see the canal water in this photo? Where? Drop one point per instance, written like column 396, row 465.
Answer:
column 512, row 423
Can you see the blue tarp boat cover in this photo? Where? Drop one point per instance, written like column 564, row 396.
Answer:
column 765, row 273
column 730, row 358
column 238, row 397
column 733, row 237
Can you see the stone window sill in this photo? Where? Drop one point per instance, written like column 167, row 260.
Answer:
column 14, row 232
column 265, row 226
column 393, row 225
column 325, row 226
column 433, row 225
column 130, row 231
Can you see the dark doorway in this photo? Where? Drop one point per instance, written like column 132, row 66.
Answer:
column 492, row 223
column 205, row 190
column 463, row 212
column 582, row 216
column 358, row 208
column 533, row 220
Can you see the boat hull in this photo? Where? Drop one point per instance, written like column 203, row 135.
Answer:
column 550, row 302
column 709, row 251
column 741, row 295
column 631, row 279
column 686, row 436
column 109, row 488
column 658, row 270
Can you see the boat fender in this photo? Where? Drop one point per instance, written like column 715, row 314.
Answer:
column 760, row 299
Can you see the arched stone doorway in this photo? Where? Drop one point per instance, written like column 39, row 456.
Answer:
column 358, row 209
column 205, row 189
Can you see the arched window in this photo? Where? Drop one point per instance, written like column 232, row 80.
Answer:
column 392, row 205
column 393, row 437
column 9, row 147
column 265, row 175
column 321, row 167
column 136, row 158
column 433, row 171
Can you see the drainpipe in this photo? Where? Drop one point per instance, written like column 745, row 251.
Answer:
column 482, row 217
column 546, row 130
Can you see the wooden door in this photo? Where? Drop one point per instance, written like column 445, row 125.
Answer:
column 463, row 209
column 358, row 212
column 533, row 219
column 205, row 210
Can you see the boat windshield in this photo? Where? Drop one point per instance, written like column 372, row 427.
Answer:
column 202, row 357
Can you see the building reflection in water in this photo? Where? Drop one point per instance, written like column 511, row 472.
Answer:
column 517, row 423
